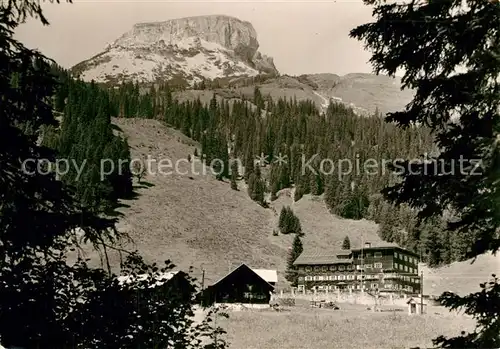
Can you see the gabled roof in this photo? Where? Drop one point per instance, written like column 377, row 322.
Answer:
column 382, row 245
column 415, row 300
column 377, row 244
column 243, row 265
column 161, row 279
column 267, row 274
column 321, row 258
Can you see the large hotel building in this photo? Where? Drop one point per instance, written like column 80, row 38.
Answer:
column 383, row 267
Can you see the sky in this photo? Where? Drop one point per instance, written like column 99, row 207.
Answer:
column 302, row 36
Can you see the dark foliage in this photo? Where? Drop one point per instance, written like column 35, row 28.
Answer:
column 291, row 274
column 46, row 301
column 289, row 223
column 431, row 41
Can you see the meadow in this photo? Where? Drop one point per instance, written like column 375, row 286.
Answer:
column 353, row 326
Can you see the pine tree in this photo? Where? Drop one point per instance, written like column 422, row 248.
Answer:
column 346, row 244
column 289, row 223
column 291, row 274
column 283, row 219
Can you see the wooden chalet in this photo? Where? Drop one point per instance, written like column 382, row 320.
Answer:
column 242, row 285
column 384, row 267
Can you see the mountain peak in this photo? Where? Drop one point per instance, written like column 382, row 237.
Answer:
column 192, row 47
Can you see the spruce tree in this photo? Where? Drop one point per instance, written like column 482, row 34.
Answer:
column 283, row 219
column 291, row 274
column 346, row 244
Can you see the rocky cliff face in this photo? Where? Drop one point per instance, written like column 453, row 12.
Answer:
column 191, row 48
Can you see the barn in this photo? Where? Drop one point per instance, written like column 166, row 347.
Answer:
column 242, row 285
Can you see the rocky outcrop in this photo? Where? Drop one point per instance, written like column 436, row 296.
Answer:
column 193, row 47
column 229, row 32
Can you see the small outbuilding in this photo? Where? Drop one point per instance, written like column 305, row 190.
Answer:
column 416, row 306
column 243, row 285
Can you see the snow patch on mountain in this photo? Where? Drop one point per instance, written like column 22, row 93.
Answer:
column 326, row 102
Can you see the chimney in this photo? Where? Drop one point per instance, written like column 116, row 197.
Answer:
column 368, row 244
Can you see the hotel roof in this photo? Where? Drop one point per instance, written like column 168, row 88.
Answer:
column 332, row 257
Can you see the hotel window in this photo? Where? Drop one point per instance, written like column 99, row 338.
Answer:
column 333, row 268
column 309, row 278
column 325, row 268
column 368, row 266
column 341, row 267
column 406, row 268
column 316, row 278
column 308, row 269
column 350, row 277
column 396, row 255
column 334, row 277
column 377, row 255
column 320, row 278
column 341, row 277
column 406, row 258
column 377, row 265
column 350, row 267
column 317, row 268
column 368, row 255
column 358, row 267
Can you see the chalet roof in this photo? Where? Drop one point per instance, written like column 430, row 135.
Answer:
column 313, row 258
column 320, row 258
column 161, row 279
column 378, row 244
column 267, row 274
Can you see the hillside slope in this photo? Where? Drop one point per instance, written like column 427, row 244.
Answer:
column 460, row 277
column 195, row 220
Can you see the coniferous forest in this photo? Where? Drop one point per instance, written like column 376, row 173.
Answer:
column 338, row 154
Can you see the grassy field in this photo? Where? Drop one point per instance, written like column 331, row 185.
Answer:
column 351, row 327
